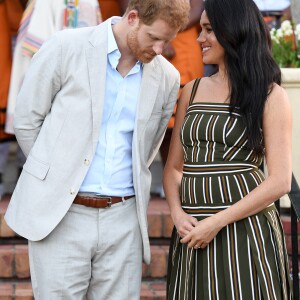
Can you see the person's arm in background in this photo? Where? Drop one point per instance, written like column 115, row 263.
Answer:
column 123, row 5
column 197, row 7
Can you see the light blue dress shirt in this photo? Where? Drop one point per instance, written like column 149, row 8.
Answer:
column 110, row 172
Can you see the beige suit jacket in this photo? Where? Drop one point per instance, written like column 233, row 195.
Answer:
column 57, row 122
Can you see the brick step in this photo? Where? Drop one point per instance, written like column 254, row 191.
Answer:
column 150, row 290
column 14, row 262
column 16, row 291
column 159, row 219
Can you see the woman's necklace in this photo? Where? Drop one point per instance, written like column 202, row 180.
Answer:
column 71, row 14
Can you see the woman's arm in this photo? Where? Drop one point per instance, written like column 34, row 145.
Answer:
column 277, row 132
column 173, row 169
column 197, row 7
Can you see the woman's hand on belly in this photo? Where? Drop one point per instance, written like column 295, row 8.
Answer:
column 183, row 222
column 203, row 233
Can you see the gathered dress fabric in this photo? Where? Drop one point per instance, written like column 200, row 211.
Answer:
column 247, row 259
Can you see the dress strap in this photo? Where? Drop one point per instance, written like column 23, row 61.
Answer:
column 194, row 90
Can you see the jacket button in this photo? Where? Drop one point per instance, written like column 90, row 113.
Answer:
column 86, row 162
column 72, row 192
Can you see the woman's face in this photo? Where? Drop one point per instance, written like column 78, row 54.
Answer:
column 212, row 51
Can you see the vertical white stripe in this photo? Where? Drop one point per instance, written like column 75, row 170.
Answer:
column 233, row 125
column 208, row 271
column 213, row 129
column 224, row 131
column 266, row 257
column 254, row 178
column 238, row 185
column 245, row 183
column 228, row 188
column 235, row 146
column 274, row 247
column 198, row 138
column 206, row 137
column 196, row 275
column 216, row 268
column 213, row 151
column 280, row 250
column 250, row 266
column 194, row 189
column 229, row 262
column 259, row 255
column 214, row 139
column 203, row 189
column 237, row 260
column 210, row 190
column 249, row 155
column 259, row 290
column 189, row 189
column 221, row 189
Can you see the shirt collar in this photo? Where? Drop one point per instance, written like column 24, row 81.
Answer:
column 113, row 52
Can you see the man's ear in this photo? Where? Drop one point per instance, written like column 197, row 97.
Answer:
column 132, row 17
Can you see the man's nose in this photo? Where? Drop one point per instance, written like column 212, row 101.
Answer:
column 158, row 48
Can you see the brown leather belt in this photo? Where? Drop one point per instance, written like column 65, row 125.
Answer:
column 99, row 201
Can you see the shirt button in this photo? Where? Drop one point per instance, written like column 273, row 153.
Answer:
column 72, row 192
column 86, row 162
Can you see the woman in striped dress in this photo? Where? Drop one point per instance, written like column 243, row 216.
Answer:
column 228, row 241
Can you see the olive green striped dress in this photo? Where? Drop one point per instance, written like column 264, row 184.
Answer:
column 247, row 260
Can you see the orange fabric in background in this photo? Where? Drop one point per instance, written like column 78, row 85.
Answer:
column 109, row 8
column 10, row 15
column 188, row 58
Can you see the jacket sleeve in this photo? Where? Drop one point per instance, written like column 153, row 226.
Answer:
column 166, row 115
column 41, row 83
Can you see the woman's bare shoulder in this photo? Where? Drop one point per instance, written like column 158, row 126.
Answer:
column 278, row 102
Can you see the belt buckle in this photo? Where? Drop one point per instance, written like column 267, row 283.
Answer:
column 109, row 199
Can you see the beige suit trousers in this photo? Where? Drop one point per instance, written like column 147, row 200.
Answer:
column 93, row 253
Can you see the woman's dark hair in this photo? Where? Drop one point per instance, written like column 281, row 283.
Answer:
column 240, row 29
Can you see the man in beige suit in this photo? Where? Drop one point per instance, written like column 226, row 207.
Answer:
column 90, row 117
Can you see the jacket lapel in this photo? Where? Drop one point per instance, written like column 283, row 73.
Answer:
column 96, row 55
column 148, row 94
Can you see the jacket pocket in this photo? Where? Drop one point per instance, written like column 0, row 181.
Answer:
column 36, row 168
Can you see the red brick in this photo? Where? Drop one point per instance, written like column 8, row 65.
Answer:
column 159, row 204
column 145, row 270
column 286, row 222
column 4, row 203
column 6, row 291
column 6, row 261
column 5, row 231
column 159, row 286
column 167, row 226
column 23, row 291
column 146, row 292
column 154, row 224
column 288, row 239
column 160, row 295
column 22, row 261
column 158, row 266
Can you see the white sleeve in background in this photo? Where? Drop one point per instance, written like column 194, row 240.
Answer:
column 275, row 5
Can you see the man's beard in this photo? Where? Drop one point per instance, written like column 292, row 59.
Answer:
column 136, row 49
